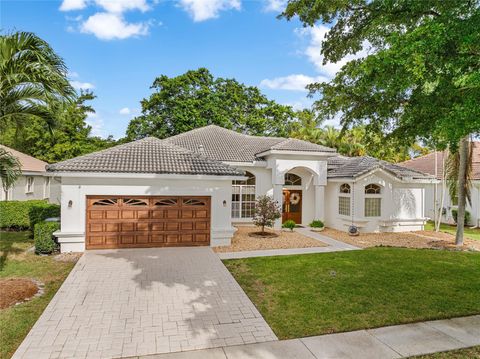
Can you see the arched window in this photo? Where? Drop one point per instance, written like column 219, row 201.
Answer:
column 243, row 197
column 344, row 199
column 292, row 179
column 373, row 200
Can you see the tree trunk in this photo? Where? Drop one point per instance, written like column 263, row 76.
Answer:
column 444, row 188
column 462, row 178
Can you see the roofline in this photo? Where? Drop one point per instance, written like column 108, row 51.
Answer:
column 143, row 175
column 246, row 164
column 388, row 173
column 293, row 152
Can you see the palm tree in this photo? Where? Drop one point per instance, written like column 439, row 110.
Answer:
column 10, row 169
column 32, row 78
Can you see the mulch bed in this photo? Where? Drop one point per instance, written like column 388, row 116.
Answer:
column 263, row 234
column 16, row 290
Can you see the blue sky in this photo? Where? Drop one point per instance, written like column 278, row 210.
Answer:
column 118, row 47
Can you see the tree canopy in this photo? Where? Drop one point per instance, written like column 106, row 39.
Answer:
column 196, row 98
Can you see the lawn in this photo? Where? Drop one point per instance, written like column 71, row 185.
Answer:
column 15, row 322
column 315, row 294
column 468, row 353
column 469, row 232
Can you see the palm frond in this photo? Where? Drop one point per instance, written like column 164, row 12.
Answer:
column 10, row 169
column 451, row 173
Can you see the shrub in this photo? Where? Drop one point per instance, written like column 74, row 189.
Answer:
column 43, row 236
column 455, row 215
column 15, row 214
column 40, row 212
column 266, row 212
column 316, row 223
column 290, row 224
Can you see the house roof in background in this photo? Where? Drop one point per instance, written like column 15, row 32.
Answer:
column 353, row 167
column 29, row 163
column 427, row 163
column 230, row 146
column 148, row 155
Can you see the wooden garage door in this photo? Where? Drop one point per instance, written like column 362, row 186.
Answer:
column 134, row 221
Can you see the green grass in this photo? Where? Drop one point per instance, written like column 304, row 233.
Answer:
column 468, row 353
column 16, row 321
column 315, row 294
column 468, row 232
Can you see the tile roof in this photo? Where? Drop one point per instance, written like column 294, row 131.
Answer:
column 28, row 163
column 226, row 145
column 352, row 167
column 427, row 163
column 148, row 155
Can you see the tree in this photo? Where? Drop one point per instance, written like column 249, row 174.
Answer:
column 10, row 169
column 71, row 136
column 266, row 212
column 32, row 77
column 420, row 78
column 195, row 99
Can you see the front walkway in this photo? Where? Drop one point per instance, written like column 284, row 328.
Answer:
column 333, row 246
column 399, row 341
column 131, row 302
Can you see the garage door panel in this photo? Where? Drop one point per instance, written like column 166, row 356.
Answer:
column 156, row 221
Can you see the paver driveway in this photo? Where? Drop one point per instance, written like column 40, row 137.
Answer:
column 120, row 303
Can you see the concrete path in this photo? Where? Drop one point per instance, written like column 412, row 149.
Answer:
column 398, row 341
column 131, row 302
column 332, row 246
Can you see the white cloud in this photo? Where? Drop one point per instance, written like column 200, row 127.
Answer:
column 125, row 111
column 73, row 74
column 69, row 5
column 276, row 5
column 82, row 85
column 109, row 26
column 96, row 123
column 201, row 10
column 295, row 82
column 120, row 6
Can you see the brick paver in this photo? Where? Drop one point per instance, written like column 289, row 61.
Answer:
column 131, row 302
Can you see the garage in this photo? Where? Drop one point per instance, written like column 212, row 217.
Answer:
column 147, row 221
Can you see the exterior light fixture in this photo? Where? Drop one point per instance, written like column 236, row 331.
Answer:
column 70, row 204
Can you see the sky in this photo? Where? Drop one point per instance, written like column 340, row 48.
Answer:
column 116, row 48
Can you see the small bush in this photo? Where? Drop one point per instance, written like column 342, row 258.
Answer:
column 316, row 223
column 290, row 224
column 42, row 234
column 266, row 212
column 455, row 215
column 15, row 214
column 40, row 212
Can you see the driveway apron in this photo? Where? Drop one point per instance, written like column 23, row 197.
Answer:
column 129, row 302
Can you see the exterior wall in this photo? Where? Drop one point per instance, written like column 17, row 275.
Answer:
column 72, row 233
column 402, row 206
column 18, row 191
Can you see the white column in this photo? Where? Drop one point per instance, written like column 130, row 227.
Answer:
column 278, row 197
column 320, row 202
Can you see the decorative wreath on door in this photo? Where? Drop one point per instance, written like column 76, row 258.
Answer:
column 294, row 198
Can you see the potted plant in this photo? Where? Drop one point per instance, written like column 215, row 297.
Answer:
column 289, row 224
column 317, row 225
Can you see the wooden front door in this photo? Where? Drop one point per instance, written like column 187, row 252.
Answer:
column 292, row 205
column 147, row 221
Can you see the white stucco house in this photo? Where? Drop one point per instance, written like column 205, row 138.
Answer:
column 34, row 183
column 191, row 189
column 432, row 164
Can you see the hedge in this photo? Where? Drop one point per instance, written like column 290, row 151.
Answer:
column 43, row 236
column 455, row 214
column 24, row 214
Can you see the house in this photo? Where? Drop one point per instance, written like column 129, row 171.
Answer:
column 191, row 189
column 34, row 183
column 433, row 164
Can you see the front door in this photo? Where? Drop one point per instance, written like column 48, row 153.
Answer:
column 292, row 205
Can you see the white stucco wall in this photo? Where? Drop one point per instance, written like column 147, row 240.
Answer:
column 402, row 205
column 72, row 232
column 18, row 191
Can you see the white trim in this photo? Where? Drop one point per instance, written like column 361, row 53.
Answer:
column 246, row 164
column 34, row 173
column 29, row 188
column 387, row 173
column 302, row 153
column 144, row 175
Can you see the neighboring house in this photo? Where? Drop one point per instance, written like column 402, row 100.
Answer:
column 432, row 163
column 189, row 189
column 34, row 183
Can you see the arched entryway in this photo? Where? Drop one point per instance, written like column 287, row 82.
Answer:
column 292, row 198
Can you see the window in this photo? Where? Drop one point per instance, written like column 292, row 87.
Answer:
column 344, row 200
column 373, row 201
column 29, row 185
column 243, row 197
column 46, row 188
column 292, row 180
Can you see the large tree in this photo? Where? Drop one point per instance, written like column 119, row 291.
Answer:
column 196, row 98
column 420, row 77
